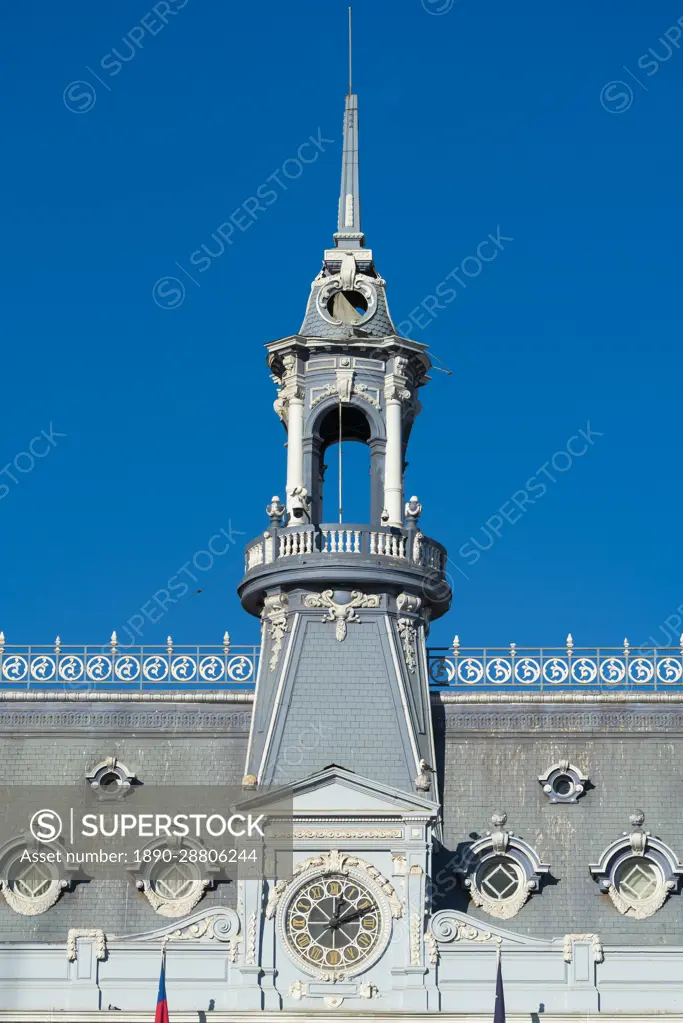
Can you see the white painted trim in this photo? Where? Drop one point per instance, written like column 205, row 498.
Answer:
column 278, row 695
column 404, row 699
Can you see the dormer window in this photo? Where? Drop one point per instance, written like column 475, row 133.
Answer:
column 500, row 871
column 638, row 871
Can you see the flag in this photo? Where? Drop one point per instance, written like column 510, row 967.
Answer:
column 499, row 1007
column 162, row 1005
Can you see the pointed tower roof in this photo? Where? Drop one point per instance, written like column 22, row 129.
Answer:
column 349, row 234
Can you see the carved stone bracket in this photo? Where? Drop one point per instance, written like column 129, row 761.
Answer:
column 274, row 615
column 446, row 927
column 341, row 613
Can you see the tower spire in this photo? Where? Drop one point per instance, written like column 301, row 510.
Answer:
column 349, row 234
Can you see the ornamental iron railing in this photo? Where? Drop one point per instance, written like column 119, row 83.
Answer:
column 119, row 667
column 553, row 668
column 390, row 542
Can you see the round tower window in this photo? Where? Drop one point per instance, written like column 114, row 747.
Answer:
column 347, row 306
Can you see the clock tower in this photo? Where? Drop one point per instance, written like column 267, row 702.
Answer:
column 342, row 721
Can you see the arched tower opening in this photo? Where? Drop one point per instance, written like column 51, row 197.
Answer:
column 344, row 465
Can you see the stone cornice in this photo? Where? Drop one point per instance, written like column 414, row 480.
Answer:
column 625, row 696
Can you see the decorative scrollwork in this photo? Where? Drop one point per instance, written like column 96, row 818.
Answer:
column 155, row 668
column 240, row 668
column 70, row 668
column 127, row 668
column 98, row 668
column 183, row 668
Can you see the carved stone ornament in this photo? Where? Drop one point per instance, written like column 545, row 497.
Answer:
column 85, row 932
column 344, row 388
column 432, row 948
column 274, row 617
column 298, row 990
column 408, row 634
column 596, row 946
column 423, row 781
column 342, row 614
column 408, row 602
column 501, row 871
column 638, row 871
column 415, row 940
column 335, row 862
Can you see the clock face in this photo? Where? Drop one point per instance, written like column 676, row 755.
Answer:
column 333, row 922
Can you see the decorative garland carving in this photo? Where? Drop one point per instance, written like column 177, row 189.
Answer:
column 251, row 941
column 596, row 945
column 408, row 634
column 342, row 614
column 432, row 948
column 84, row 932
column 415, row 943
column 274, row 615
column 336, row 862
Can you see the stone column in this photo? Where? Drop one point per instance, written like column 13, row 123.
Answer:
column 295, row 441
column 393, row 465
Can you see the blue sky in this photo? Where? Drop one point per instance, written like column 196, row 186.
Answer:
column 477, row 119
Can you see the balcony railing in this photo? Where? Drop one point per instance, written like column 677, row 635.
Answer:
column 553, row 668
column 299, row 541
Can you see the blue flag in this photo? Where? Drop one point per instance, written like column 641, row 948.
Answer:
column 499, row 1008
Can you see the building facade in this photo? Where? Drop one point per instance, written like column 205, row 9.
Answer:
column 445, row 806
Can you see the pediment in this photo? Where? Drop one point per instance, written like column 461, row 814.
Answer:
column 337, row 791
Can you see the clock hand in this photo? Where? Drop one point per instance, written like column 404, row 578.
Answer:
column 350, row 916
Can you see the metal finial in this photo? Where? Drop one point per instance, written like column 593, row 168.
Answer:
column 627, row 647
column 169, row 645
column 570, row 645
column 226, row 642
column 513, row 649
column 2, row 640
column 58, row 645
column 456, row 645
